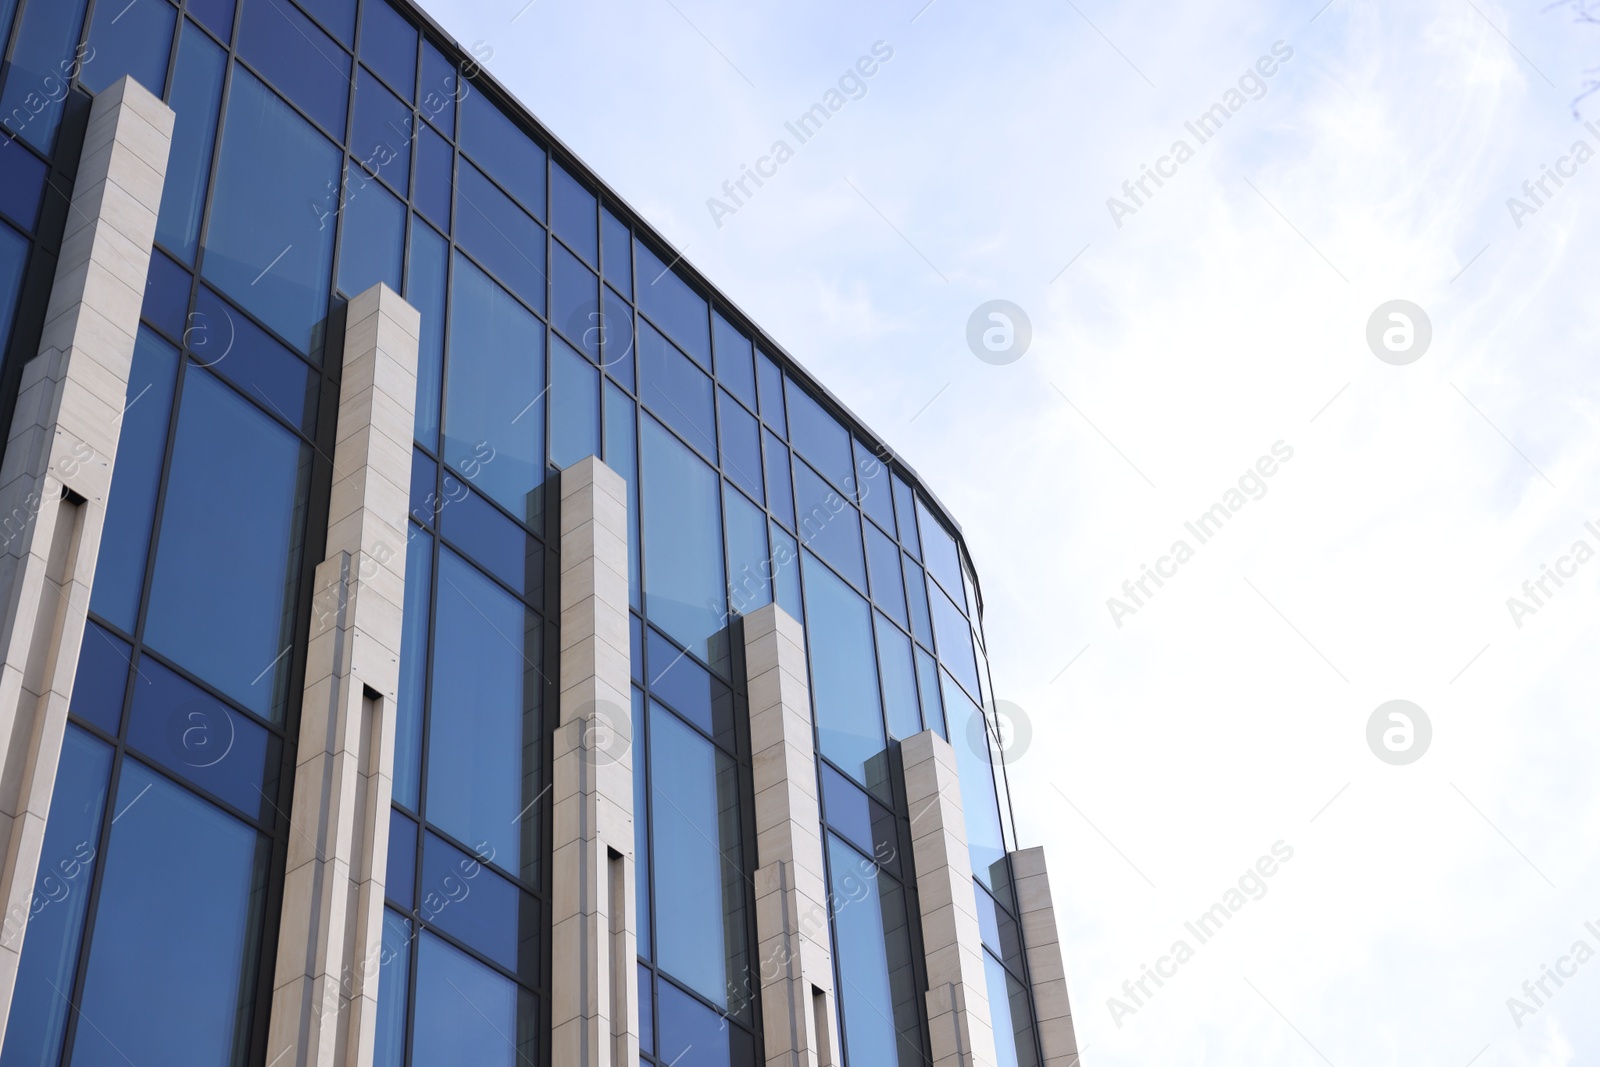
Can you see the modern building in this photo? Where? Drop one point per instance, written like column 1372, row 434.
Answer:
column 438, row 628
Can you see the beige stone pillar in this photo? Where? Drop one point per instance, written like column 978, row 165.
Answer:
column 56, row 475
column 1042, row 945
column 325, row 991
column 958, row 995
column 796, row 964
column 594, row 996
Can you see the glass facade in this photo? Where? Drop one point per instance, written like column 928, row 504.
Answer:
column 321, row 147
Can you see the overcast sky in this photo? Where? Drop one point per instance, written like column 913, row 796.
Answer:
column 1225, row 315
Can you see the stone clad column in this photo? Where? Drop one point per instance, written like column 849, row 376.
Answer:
column 795, row 962
column 1042, row 946
column 324, row 1000
column 958, row 992
column 594, row 995
column 56, row 474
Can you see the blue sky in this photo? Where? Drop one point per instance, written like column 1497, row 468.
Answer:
column 1228, row 314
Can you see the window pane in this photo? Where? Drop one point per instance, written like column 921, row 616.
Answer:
column 125, row 544
column 829, row 525
column 300, row 61
column 166, row 295
column 616, row 336
column 620, row 456
column 389, row 46
column 264, row 248
column 500, row 235
column 380, row 137
column 641, row 841
column 769, row 381
column 872, row 486
column 967, row 736
column 439, row 88
column 868, row 825
column 741, row 445
column 618, row 253
column 786, row 566
column 1008, row 1009
column 236, row 492
column 252, row 359
column 749, row 562
column 817, row 436
column 939, row 550
column 883, row 562
column 22, row 178
column 955, row 639
column 494, row 419
column 692, row 1035
column 413, row 670
column 696, row 825
column 780, row 489
column 574, row 300
column 917, row 600
column 483, row 752
column 690, row 690
column 844, row 677
column 501, row 148
column 394, row 977
column 426, row 282
column 877, row 995
column 102, row 679
column 899, row 680
column 735, row 368
column 338, row 15
column 672, row 305
column 573, row 213
column 214, row 15
column 906, row 516
column 575, row 406
column 135, row 39
column 436, row 163
column 932, row 702
column 176, row 931
column 374, row 241
column 676, row 391
column 478, row 907
column 467, row 1015
column 486, row 536
column 60, row 898
column 400, row 873
column 683, row 582
column 45, row 55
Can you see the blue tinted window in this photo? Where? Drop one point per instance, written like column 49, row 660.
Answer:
column 883, row 563
column 932, row 702
column 683, row 584
column 741, row 445
column 60, row 897
column 425, row 290
column 647, row 1002
column 22, row 177
column 501, row 235
column 690, row 690
column 676, row 391
column 413, row 670
column 575, row 300
column 618, row 253
column 102, row 679
column 480, row 769
column 780, row 488
column 197, row 98
column 954, row 638
column 844, row 677
column 264, row 247
column 438, row 89
column 166, row 296
column 1008, row 1008
column 252, row 359
column 899, row 680
column 641, row 836
column 866, row 823
column 817, row 436
column 436, row 162
column 338, row 15
column 389, row 46
column 695, row 791
column 786, row 570
column 672, row 305
column 45, row 55
column 573, row 213
column 575, row 406
column 692, row 1035
column 467, row 1014
column 917, row 600
column 373, row 247
column 906, row 515
column 133, row 39
column 829, row 525
column 214, row 15
column 400, row 875
column 733, row 360
column 978, row 799
column 425, row 502
column 175, row 936
column 939, row 550
column 196, row 736
column 616, row 328
column 878, row 1000
column 749, row 563
column 498, row 145
column 300, row 61
column 872, row 487
column 235, row 492
column 494, row 420
column 380, row 136
column 394, row 979
column 476, row 906
column 620, row 454
column 769, row 383
column 484, row 534
column 125, row 544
